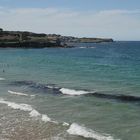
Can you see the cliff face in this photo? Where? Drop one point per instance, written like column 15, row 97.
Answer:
column 27, row 40
column 95, row 40
column 33, row 40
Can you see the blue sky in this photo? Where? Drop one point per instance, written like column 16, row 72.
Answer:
column 119, row 19
column 75, row 4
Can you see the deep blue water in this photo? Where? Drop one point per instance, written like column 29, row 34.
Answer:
column 105, row 68
column 108, row 67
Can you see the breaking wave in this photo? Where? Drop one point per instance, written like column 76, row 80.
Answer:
column 27, row 108
column 19, row 93
column 78, row 130
column 37, row 86
column 73, row 92
column 45, row 118
column 1, row 79
column 65, row 91
column 86, row 47
column 73, row 129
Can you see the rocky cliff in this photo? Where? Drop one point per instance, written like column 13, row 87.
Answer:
column 20, row 39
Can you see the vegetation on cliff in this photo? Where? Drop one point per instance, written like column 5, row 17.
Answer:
column 26, row 39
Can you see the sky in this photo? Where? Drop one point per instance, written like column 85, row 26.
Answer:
column 117, row 19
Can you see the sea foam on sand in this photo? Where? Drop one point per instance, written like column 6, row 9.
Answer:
column 45, row 118
column 78, row 130
column 34, row 113
column 28, row 108
column 74, row 128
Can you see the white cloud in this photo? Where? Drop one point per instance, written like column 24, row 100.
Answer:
column 118, row 11
column 118, row 24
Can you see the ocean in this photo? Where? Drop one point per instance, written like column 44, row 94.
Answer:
column 90, row 91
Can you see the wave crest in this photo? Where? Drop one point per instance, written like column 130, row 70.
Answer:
column 28, row 108
column 58, row 90
column 74, row 129
column 19, row 93
column 73, row 92
column 78, row 130
column 1, row 79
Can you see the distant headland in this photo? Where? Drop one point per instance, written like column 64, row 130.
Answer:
column 25, row 39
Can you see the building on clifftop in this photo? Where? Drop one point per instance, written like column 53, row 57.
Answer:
column 1, row 30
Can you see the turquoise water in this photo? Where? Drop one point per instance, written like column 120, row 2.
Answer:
column 106, row 68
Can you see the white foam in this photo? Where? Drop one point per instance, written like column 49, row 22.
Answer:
column 24, row 107
column 1, row 79
column 51, row 87
column 86, row 47
column 19, row 93
column 28, row 108
column 73, row 92
column 34, row 113
column 45, row 118
column 82, row 47
column 76, row 129
column 32, row 95
column 65, row 124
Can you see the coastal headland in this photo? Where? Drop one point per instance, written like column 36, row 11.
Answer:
column 25, row 39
